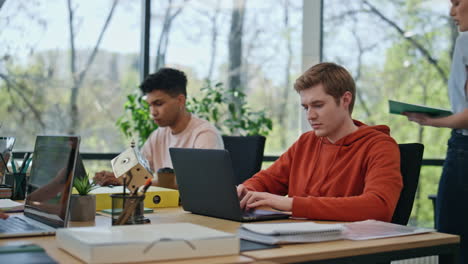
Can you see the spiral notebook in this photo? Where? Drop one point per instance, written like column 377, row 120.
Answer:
column 285, row 233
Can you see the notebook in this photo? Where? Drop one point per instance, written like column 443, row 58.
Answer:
column 305, row 232
column 48, row 189
column 207, row 185
column 400, row 107
column 286, row 233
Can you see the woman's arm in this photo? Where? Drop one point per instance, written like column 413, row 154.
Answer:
column 457, row 121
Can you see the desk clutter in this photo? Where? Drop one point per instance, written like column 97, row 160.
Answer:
column 5, row 191
column 135, row 243
column 155, row 197
column 306, row 232
column 287, row 233
column 10, row 206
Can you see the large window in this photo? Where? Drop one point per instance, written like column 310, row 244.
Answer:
column 396, row 50
column 65, row 67
column 253, row 46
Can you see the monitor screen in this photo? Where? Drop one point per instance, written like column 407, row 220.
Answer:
column 50, row 183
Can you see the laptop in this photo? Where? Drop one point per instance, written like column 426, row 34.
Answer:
column 48, row 189
column 207, row 185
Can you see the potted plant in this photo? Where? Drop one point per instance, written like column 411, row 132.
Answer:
column 83, row 204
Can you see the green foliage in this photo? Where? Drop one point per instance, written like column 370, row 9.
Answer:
column 214, row 104
column 135, row 122
column 83, row 185
column 229, row 112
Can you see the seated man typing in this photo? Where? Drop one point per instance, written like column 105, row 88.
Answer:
column 166, row 93
column 343, row 170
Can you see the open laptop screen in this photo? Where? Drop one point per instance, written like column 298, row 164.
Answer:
column 50, row 182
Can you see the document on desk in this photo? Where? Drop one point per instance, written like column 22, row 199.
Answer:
column 306, row 232
column 372, row 229
column 135, row 243
column 286, row 233
column 10, row 206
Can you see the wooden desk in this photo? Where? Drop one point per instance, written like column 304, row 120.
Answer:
column 342, row 251
column 162, row 215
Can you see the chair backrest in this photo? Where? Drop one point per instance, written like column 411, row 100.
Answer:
column 246, row 154
column 411, row 158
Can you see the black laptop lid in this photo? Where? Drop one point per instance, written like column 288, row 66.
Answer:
column 206, row 182
column 50, row 183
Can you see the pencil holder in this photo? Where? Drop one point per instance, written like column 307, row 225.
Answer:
column 128, row 209
column 18, row 183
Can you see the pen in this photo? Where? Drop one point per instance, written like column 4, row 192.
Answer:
column 146, row 186
column 13, row 166
column 4, row 162
column 124, row 185
column 27, row 165
column 23, row 164
column 130, row 205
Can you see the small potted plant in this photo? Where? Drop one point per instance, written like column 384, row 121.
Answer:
column 83, row 204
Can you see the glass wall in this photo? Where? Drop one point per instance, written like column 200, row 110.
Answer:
column 52, row 83
column 397, row 50
column 252, row 45
column 65, row 67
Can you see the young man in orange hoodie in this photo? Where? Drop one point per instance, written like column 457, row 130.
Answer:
column 342, row 170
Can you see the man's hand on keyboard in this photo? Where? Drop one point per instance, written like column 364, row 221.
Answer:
column 105, row 178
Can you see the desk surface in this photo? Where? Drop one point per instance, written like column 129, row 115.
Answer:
column 284, row 254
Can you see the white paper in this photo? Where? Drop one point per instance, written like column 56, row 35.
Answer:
column 10, row 205
column 372, row 229
column 292, row 228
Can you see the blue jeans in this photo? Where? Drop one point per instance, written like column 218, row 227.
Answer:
column 452, row 195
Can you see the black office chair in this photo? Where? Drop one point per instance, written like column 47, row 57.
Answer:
column 411, row 159
column 246, row 155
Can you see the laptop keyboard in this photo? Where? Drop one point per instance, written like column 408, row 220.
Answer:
column 15, row 224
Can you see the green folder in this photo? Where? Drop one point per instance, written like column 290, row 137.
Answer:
column 399, row 107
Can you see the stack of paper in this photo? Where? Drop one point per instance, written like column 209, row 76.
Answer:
column 5, row 190
column 134, row 243
column 9, row 206
column 304, row 232
column 284, row 233
column 372, row 229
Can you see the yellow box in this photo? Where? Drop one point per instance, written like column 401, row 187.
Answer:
column 155, row 197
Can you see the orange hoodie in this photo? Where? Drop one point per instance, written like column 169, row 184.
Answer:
column 356, row 178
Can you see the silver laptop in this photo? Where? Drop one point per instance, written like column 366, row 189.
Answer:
column 207, row 185
column 48, row 188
